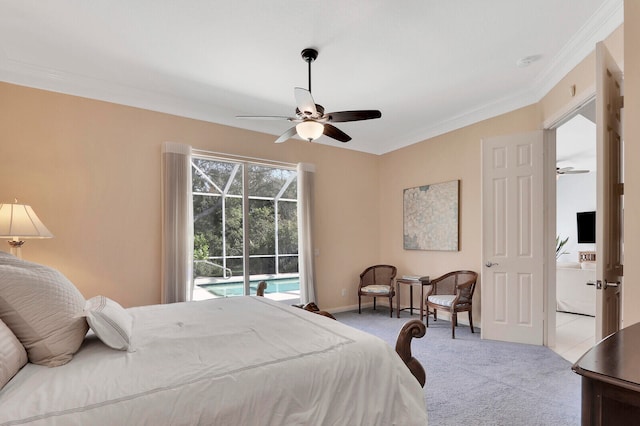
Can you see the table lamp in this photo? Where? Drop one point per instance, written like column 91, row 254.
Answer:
column 18, row 222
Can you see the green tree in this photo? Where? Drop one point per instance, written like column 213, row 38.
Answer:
column 200, row 247
column 213, row 177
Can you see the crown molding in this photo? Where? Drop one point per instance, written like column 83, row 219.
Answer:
column 601, row 25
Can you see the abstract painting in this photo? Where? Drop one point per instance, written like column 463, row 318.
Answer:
column 431, row 217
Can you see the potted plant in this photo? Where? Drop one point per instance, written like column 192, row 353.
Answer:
column 560, row 243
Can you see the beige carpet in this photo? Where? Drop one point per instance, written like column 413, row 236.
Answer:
column 480, row 382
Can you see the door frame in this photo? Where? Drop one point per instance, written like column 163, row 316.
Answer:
column 565, row 113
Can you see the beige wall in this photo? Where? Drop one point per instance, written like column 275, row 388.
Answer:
column 455, row 155
column 91, row 170
column 631, row 131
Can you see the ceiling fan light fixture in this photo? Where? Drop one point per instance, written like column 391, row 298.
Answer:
column 309, row 130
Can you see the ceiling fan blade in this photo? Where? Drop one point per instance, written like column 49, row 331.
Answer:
column 575, row 172
column 343, row 116
column 287, row 135
column 335, row 133
column 563, row 169
column 569, row 171
column 265, row 117
column 305, row 102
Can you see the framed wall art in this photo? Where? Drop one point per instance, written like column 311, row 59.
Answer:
column 431, row 217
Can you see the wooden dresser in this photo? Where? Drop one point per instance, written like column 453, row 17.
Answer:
column 611, row 380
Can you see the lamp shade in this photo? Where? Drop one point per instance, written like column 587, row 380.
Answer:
column 20, row 221
column 309, row 130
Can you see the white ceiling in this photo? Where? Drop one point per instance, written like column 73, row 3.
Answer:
column 430, row 66
column 576, row 141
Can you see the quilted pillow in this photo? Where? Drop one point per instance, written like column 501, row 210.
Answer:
column 40, row 306
column 12, row 355
column 109, row 321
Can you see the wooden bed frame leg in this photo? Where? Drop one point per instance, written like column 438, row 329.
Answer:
column 413, row 328
column 262, row 286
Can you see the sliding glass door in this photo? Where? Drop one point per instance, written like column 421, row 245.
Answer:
column 245, row 229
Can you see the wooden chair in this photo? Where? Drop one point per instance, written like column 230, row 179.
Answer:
column 377, row 281
column 452, row 292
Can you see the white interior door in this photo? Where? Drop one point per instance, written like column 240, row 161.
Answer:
column 609, row 193
column 513, row 238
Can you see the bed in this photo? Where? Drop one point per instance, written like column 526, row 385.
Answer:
column 235, row 361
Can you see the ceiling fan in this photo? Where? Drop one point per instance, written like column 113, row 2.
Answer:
column 312, row 121
column 569, row 171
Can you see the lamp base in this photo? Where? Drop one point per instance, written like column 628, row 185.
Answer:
column 16, row 248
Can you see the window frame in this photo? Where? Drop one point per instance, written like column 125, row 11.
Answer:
column 243, row 166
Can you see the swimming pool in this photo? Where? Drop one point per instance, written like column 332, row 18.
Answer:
column 236, row 288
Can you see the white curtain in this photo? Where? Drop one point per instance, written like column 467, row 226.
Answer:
column 177, row 223
column 305, row 234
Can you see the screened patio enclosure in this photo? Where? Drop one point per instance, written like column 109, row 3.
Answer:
column 245, row 229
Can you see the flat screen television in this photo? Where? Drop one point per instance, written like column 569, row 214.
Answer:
column 586, row 227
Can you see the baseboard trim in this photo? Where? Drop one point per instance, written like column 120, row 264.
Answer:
column 355, row 307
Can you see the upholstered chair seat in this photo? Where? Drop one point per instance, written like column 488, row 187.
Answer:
column 376, row 289
column 442, row 300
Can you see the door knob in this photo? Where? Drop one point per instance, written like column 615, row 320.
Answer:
column 611, row 284
column 489, row 264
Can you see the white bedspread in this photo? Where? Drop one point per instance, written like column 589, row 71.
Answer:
column 236, row 361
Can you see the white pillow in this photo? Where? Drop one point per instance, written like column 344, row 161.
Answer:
column 12, row 354
column 109, row 321
column 40, row 305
